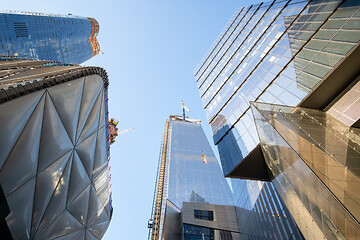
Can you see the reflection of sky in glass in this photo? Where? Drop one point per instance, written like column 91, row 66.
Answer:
column 278, row 61
column 190, row 178
column 57, row 38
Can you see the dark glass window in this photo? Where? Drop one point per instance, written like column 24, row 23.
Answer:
column 198, row 233
column 204, row 214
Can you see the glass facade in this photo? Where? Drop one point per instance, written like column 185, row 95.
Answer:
column 314, row 160
column 189, row 178
column 67, row 39
column 54, row 150
column 183, row 175
column 275, row 52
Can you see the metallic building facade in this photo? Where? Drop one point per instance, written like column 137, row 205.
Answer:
column 62, row 38
column 54, row 150
column 188, row 172
column 277, row 52
column 209, row 221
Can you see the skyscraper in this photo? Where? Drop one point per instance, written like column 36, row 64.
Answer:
column 299, row 54
column 54, row 150
column 62, row 38
column 188, row 172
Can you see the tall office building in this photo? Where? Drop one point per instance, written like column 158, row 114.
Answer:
column 62, row 38
column 54, row 150
column 302, row 54
column 188, row 172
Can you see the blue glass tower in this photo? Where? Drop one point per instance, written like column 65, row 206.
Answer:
column 188, row 171
column 194, row 174
column 62, row 38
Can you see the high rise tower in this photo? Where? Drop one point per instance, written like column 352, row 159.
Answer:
column 62, row 38
column 54, row 151
column 188, row 172
column 302, row 54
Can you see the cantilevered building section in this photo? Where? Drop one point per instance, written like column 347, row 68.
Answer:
column 54, row 150
column 188, row 172
column 302, row 54
column 62, row 38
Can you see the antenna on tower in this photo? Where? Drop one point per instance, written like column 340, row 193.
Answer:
column 184, row 108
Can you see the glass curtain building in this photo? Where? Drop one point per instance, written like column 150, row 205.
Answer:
column 62, row 38
column 297, row 53
column 54, row 150
column 188, row 172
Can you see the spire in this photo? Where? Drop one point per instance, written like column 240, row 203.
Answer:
column 184, row 108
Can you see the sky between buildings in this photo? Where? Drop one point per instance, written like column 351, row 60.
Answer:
column 151, row 48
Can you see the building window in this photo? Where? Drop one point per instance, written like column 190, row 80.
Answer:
column 21, row 29
column 198, row 233
column 204, row 214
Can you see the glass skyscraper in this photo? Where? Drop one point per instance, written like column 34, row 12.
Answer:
column 61, row 38
column 188, row 172
column 298, row 53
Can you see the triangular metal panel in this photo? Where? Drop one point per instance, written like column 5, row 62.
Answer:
column 102, row 110
column 92, row 121
column 79, row 207
column 89, row 236
column 12, row 122
column 86, row 152
column 79, row 179
column 55, row 141
column 100, row 160
column 81, row 236
column 63, row 225
column 57, row 202
column 96, row 212
column 93, row 85
column 101, row 185
column 67, row 99
column 46, row 183
column 98, row 230
column 21, row 206
column 72, row 236
column 25, row 154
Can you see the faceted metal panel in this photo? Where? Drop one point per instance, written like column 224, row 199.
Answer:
column 89, row 236
column 67, row 100
column 78, row 180
column 15, row 121
column 86, row 152
column 101, row 186
column 100, row 161
column 21, row 211
column 58, row 137
column 57, row 202
column 55, row 141
column 46, row 183
column 64, row 224
column 79, row 207
column 92, row 122
column 92, row 87
column 99, row 229
column 11, row 176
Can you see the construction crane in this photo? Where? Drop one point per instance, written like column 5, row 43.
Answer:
column 114, row 131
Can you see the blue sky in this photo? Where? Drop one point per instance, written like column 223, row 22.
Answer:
column 151, row 49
